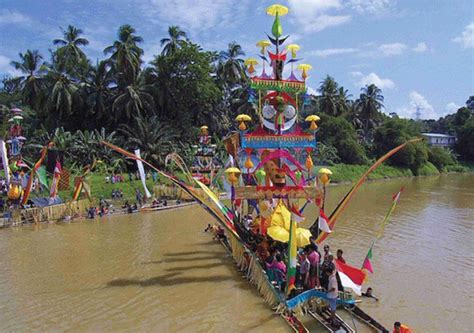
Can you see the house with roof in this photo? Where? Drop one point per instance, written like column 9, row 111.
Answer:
column 439, row 139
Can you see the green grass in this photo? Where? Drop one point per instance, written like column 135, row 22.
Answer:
column 427, row 170
column 351, row 173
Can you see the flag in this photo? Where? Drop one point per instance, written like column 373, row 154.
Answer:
column 296, row 214
column 395, row 199
column 351, row 277
column 323, row 222
column 41, row 174
column 292, row 250
column 367, row 263
column 55, row 183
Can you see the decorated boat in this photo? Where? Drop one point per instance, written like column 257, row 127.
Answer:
column 272, row 180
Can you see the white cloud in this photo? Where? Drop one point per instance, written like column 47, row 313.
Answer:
column 372, row 78
column 377, row 7
column 6, row 68
column 13, row 17
column 312, row 91
column 420, row 47
column 193, row 15
column 452, row 107
column 313, row 15
column 418, row 102
column 466, row 39
column 331, row 52
column 392, row 49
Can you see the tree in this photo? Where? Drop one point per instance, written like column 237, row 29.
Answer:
column 343, row 101
column 394, row 132
column 62, row 92
column 31, row 83
column 97, row 89
column 464, row 145
column 176, row 39
column 185, row 91
column 369, row 106
column 126, row 55
column 231, row 69
column 69, row 52
column 339, row 133
column 135, row 100
column 440, row 157
column 328, row 101
column 154, row 139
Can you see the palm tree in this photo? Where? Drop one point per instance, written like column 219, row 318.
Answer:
column 70, row 52
column 343, row 101
column 328, row 101
column 231, row 67
column 154, row 139
column 126, row 55
column 176, row 39
column 136, row 99
column 98, row 88
column 62, row 91
column 369, row 106
column 31, row 83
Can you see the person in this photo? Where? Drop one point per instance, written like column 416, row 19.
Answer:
column 332, row 292
column 339, row 256
column 130, row 177
column 107, row 179
column 369, row 294
column 327, row 252
column 138, row 196
column 314, row 259
column 304, row 270
column 278, row 264
column 400, row 328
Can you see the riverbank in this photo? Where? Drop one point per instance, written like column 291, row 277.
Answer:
column 344, row 173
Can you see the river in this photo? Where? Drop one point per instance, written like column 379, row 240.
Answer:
column 161, row 272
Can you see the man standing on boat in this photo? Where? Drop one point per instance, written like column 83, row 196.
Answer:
column 332, row 293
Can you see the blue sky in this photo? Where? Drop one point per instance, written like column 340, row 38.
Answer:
column 420, row 52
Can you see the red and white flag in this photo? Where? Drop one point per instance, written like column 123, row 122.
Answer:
column 351, row 277
column 323, row 222
column 296, row 215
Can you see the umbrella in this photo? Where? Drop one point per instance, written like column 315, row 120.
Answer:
column 278, row 233
column 16, row 110
column 302, row 237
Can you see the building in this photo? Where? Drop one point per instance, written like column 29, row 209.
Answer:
column 439, row 140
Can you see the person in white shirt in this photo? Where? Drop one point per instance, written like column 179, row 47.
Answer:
column 332, row 293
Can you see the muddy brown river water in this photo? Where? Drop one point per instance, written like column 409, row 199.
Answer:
column 160, row 272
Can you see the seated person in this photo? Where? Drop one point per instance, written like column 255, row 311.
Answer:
column 278, row 264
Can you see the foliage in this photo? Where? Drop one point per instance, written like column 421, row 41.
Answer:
column 465, row 143
column 339, row 133
column 440, row 157
column 427, row 169
column 394, row 132
column 351, row 173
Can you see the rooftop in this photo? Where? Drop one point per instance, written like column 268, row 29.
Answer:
column 438, row 135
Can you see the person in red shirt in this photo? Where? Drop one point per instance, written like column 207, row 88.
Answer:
column 339, row 256
column 399, row 328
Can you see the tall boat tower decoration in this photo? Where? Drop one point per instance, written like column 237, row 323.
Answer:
column 205, row 164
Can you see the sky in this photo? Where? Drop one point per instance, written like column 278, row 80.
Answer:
column 419, row 52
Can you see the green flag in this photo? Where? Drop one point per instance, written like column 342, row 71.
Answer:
column 41, row 173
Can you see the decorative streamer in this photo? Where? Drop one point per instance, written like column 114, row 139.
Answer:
column 141, row 171
column 35, row 168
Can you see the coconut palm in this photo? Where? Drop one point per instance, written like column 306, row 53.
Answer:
column 62, row 91
column 231, row 69
column 176, row 39
column 135, row 99
column 31, row 83
column 154, row 139
column 126, row 54
column 328, row 101
column 343, row 101
column 69, row 51
column 369, row 106
column 98, row 84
